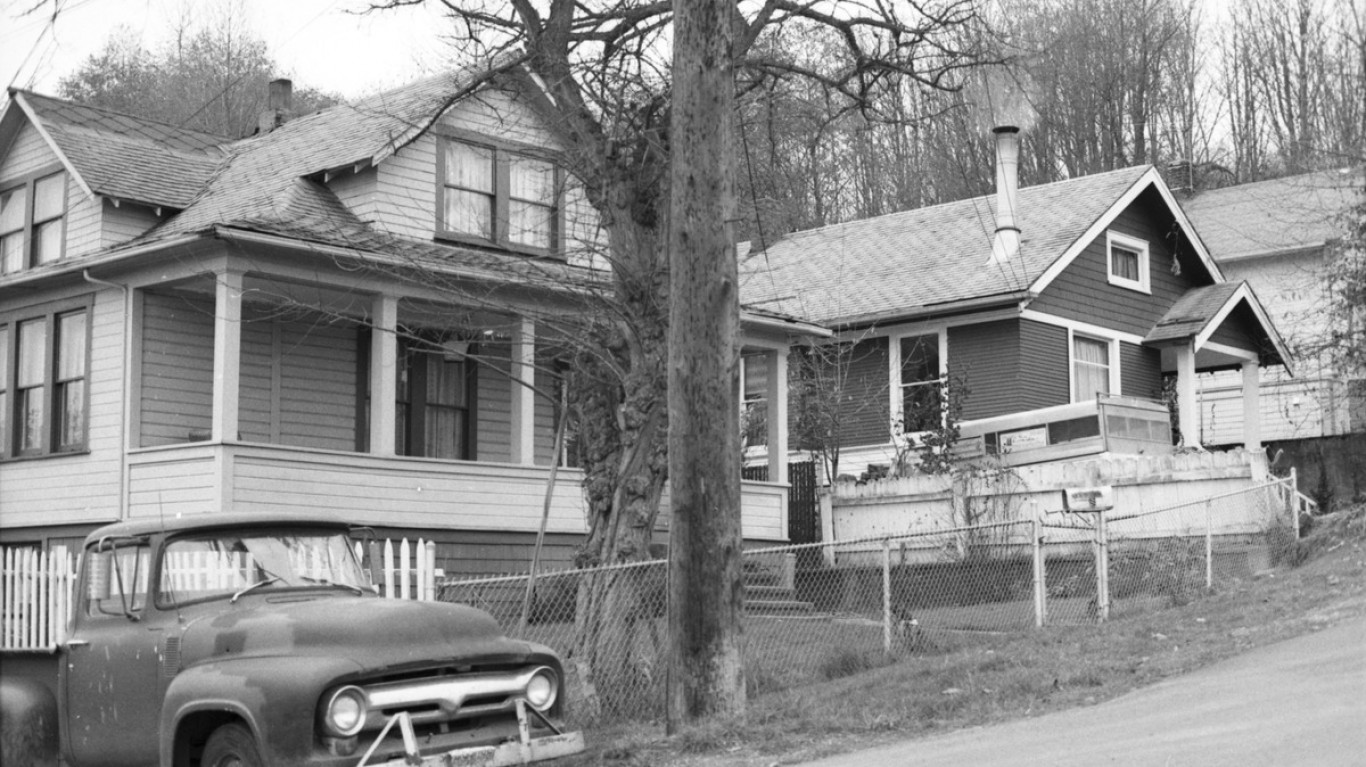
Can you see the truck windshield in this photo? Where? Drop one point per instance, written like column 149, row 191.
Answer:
column 225, row 564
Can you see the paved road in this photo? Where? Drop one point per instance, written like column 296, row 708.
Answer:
column 1299, row 702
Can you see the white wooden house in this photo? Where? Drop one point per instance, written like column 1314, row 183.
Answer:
column 193, row 324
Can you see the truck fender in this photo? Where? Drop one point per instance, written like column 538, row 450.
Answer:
column 28, row 723
column 274, row 697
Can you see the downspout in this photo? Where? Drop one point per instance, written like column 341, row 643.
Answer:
column 127, row 378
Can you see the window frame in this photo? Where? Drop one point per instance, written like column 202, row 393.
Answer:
column 898, row 384
column 29, row 183
column 1112, row 378
column 504, row 155
column 1117, row 240
column 750, row 429
column 11, row 434
column 415, row 357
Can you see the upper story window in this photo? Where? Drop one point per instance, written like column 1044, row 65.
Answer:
column 499, row 196
column 43, row 393
column 1090, row 368
column 921, row 383
column 1128, row 261
column 31, row 215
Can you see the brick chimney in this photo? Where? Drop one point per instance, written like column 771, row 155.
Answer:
column 279, row 104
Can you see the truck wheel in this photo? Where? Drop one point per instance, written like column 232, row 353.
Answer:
column 231, row 745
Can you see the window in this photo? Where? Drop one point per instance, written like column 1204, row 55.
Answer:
column 31, row 217
column 753, row 400
column 1128, row 262
column 435, row 397
column 499, row 196
column 43, row 392
column 1090, row 368
column 117, row 578
column 921, row 383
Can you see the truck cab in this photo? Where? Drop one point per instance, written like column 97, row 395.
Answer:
column 252, row 639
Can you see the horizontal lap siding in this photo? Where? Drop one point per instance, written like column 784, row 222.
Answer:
column 28, row 154
column 863, row 405
column 256, row 415
column 984, row 360
column 121, row 224
column 547, row 386
column 1045, row 366
column 493, row 410
column 1083, row 293
column 1238, row 330
column 1140, row 371
column 83, row 222
column 318, row 385
column 177, row 368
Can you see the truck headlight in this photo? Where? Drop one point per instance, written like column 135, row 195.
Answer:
column 343, row 712
column 542, row 689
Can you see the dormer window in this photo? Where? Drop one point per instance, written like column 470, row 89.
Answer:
column 499, row 196
column 31, row 215
column 1128, row 262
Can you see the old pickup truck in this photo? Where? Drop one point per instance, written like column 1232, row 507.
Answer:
column 239, row 640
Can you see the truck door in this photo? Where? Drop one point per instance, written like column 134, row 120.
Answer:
column 113, row 685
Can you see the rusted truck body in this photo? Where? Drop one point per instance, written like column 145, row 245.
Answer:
column 235, row 640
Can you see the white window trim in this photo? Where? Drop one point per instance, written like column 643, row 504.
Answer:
column 894, row 367
column 1143, row 284
column 1112, row 346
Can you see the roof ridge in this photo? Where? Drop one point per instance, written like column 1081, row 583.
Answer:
column 975, row 200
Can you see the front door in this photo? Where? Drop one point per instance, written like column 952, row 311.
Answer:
column 113, row 684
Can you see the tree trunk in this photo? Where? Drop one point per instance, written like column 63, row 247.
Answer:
column 706, row 675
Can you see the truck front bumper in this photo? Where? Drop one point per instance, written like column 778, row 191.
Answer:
column 524, row 750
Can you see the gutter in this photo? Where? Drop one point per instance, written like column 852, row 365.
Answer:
column 127, row 413
column 89, row 262
column 932, row 311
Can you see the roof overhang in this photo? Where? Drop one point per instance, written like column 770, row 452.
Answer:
column 1151, row 179
column 10, row 122
column 1213, row 355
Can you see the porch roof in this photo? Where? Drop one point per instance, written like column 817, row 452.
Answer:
column 1200, row 312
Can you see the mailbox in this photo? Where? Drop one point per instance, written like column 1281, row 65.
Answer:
column 1088, row 499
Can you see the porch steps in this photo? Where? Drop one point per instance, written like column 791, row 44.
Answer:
column 774, row 600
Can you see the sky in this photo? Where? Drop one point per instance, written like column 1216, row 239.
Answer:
column 320, row 44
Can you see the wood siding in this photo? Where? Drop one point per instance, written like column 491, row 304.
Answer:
column 123, row 223
column 83, row 221
column 1083, row 293
column 318, row 368
column 28, row 154
column 176, row 368
column 865, row 403
column 82, row 487
column 984, row 359
column 493, row 408
column 1140, row 371
column 1239, row 329
column 1045, row 362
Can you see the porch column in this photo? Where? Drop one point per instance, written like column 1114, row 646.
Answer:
column 384, row 375
column 227, row 354
column 1188, row 404
column 524, row 392
column 777, row 415
column 1252, row 413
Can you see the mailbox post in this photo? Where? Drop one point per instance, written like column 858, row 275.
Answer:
column 1095, row 500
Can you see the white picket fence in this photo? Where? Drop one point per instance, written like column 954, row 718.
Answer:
column 38, row 587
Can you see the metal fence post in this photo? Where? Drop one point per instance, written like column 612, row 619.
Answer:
column 1040, row 572
column 1292, row 501
column 1209, row 548
column 887, row 595
column 1102, row 570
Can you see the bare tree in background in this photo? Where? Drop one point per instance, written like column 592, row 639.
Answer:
column 210, row 76
column 602, row 85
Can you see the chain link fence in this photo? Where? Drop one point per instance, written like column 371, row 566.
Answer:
column 820, row 611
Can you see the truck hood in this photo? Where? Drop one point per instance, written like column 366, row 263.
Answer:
column 372, row 632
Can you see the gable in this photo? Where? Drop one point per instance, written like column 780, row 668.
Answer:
column 29, row 153
column 1082, row 290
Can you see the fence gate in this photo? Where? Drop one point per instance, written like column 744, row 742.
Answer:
column 803, row 509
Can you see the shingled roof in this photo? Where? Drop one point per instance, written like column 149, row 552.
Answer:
column 1192, row 312
column 920, row 261
column 1281, row 215
column 125, row 157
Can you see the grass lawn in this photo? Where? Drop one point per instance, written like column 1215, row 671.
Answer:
column 948, row 684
